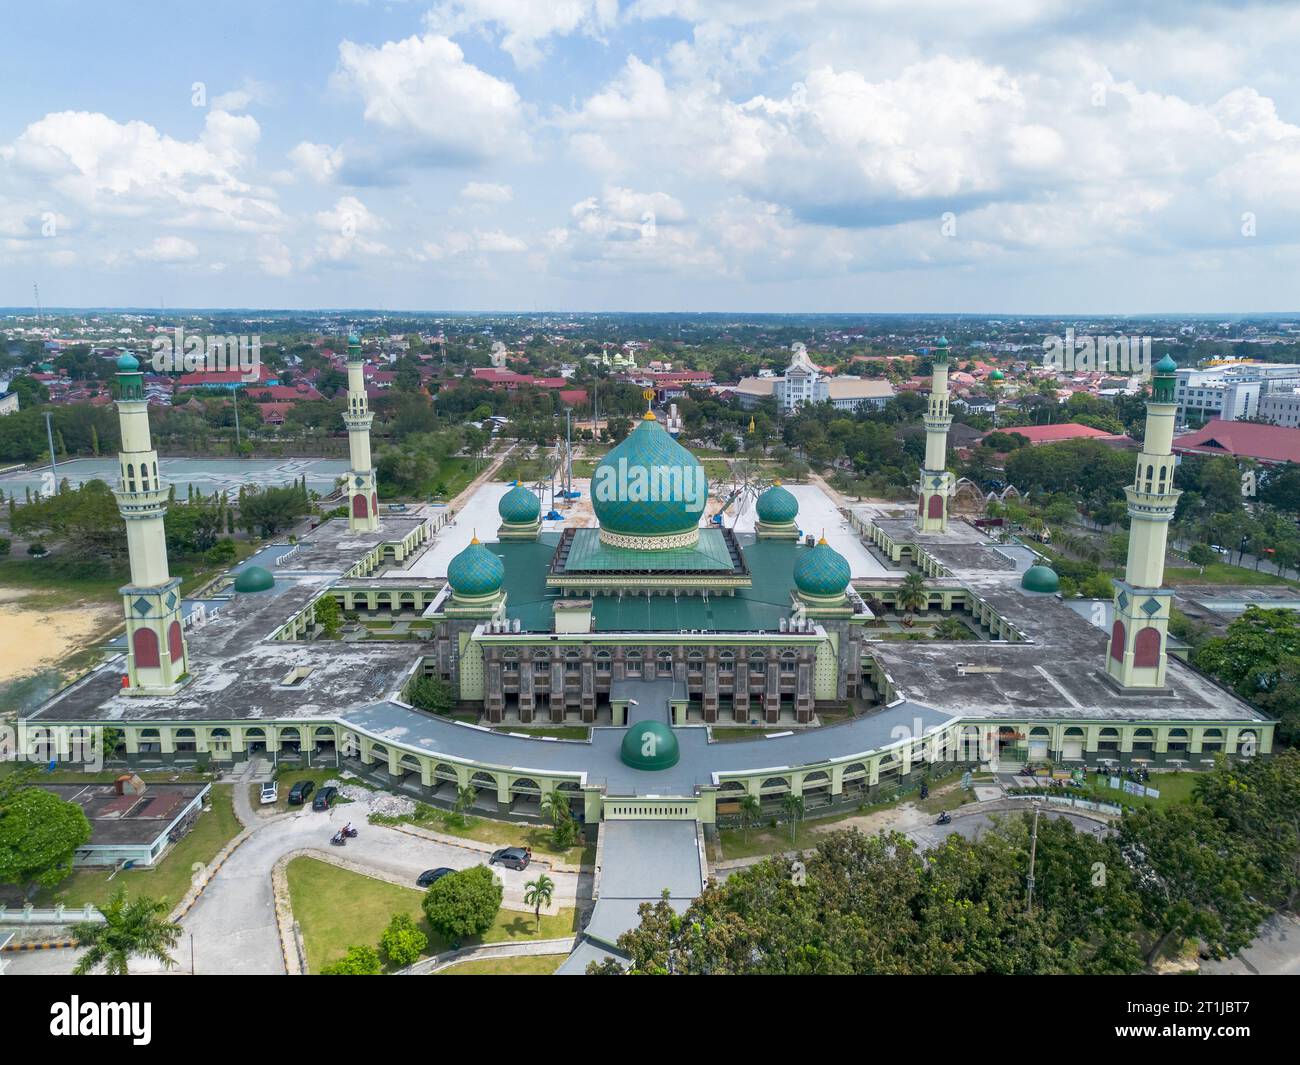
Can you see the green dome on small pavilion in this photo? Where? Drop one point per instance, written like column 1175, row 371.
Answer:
column 254, row 579
column 997, row 375
column 475, row 572
column 1040, row 579
column 777, row 506
column 650, row 745
column 822, row 572
column 519, row 506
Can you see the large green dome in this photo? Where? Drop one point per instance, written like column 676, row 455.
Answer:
column 519, row 506
column 649, row 486
column 475, row 572
column 777, row 506
column 822, row 572
column 1040, row 579
column 650, row 745
column 254, row 579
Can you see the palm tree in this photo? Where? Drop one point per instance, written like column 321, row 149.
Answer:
column 912, row 595
column 556, row 807
column 792, row 804
column 537, row 893
column 952, row 628
column 465, row 796
column 135, row 928
column 750, row 808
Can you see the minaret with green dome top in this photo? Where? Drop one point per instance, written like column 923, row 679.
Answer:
column 157, row 660
column 363, row 500
column 936, row 483
column 1136, row 657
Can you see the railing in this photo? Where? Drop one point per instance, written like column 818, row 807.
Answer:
column 58, row 915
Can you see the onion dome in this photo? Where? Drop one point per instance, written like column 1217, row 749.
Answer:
column 254, row 579
column 777, row 506
column 519, row 506
column 649, row 492
column 127, row 363
column 354, row 341
column 941, row 349
column 997, row 375
column 822, row 572
column 1166, row 365
column 1164, row 383
column 650, row 745
column 1040, row 579
column 475, row 572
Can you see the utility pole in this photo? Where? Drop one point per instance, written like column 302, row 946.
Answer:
column 568, row 456
column 54, row 469
column 1033, row 852
column 237, row 438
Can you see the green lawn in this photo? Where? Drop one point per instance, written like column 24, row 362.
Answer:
column 763, row 839
column 337, row 909
column 561, row 732
column 528, row 965
column 170, row 878
column 1221, row 573
column 1173, row 788
column 727, row 734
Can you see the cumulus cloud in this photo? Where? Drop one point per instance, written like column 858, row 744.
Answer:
column 168, row 249
column 523, row 25
column 347, row 230
column 316, row 162
column 423, row 88
column 486, row 192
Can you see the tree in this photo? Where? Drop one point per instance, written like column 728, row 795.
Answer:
column 432, row 694
column 793, row 806
column 1200, row 555
column 1259, row 658
column 266, row 511
column 750, row 810
column 537, row 893
column 555, row 805
column 402, row 942
column 328, row 616
column 131, row 928
column 39, row 834
column 464, row 903
column 912, row 594
column 84, row 520
column 359, row 961
column 953, row 628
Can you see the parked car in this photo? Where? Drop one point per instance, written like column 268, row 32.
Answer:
column 299, row 792
column 512, row 857
column 324, row 798
column 270, row 793
column 432, row 876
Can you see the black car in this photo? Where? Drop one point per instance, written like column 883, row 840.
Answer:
column 299, row 792
column 432, row 876
column 512, row 857
column 324, row 798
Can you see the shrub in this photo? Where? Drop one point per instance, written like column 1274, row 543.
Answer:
column 464, row 903
column 359, row 961
column 402, row 943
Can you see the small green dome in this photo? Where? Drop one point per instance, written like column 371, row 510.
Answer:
column 823, row 571
column 1166, row 365
column 127, row 363
column 476, row 571
column 1040, row 579
column 649, row 485
column 519, row 506
column 777, row 506
column 254, row 579
column 650, row 745
column 997, row 375
column 354, row 341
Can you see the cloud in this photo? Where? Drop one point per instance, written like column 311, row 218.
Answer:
column 523, row 25
column 169, row 249
column 346, row 231
column 422, row 88
column 486, row 192
column 316, row 162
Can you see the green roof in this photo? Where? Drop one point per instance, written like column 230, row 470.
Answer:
column 760, row 606
column 476, row 571
column 1040, row 579
column 254, row 579
column 650, row 745
column 589, row 555
column 777, row 506
column 649, row 485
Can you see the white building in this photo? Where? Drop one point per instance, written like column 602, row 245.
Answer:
column 805, row 382
column 1232, row 391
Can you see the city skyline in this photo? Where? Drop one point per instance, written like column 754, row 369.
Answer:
column 653, row 156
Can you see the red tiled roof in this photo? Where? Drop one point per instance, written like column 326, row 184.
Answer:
column 1050, row 434
column 1267, row 443
column 573, row 396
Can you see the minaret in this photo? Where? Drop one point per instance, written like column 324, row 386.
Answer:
column 363, row 501
column 157, row 658
column 936, row 482
column 1137, row 641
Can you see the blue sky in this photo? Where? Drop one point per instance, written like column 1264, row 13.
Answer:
column 871, row 155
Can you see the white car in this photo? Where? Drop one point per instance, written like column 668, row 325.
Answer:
column 270, row 793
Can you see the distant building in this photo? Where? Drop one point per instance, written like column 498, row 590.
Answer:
column 1232, row 391
column 1054, row 434
column 8, row 400
column 806, row 382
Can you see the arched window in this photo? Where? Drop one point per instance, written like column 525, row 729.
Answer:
column 144, row 647
column 726, row 662
column 175, row 644
column 1117, row 641
column 602, row 661
column 1146, row 648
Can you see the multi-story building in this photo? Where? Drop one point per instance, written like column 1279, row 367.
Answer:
column 1232, row 391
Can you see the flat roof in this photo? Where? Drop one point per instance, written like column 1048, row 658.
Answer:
column 128, row 820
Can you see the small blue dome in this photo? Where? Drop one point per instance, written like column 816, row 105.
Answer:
column 1166, row 365
column 354, row 341
column 519, row 506
column 476, row 571
column 777, row 506
column 127, row 363
column 822, row 572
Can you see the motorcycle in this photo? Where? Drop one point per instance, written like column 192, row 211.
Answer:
column 945, row 818
column 349, row 831
column 338, row 839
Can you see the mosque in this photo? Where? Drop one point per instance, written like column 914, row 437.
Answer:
column 665, row 631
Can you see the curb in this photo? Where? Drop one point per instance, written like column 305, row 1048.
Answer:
column 552, row 863
column 58, row 944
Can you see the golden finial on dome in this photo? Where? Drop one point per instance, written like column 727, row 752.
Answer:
column 648, row 395
column 474, row 539
column 823, row 539
column 776, row 483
